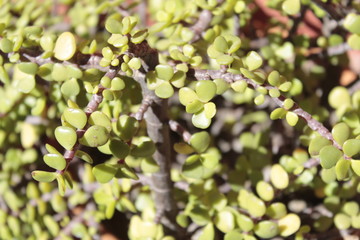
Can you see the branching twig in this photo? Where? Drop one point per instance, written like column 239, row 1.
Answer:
column 176, row 127
column 145, row 104
column 336, row 12
column 201, row 25
column 230, row 78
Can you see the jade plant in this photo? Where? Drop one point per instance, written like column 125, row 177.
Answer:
column 175, row 119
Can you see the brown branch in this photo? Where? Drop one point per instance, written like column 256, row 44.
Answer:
column 201, row 25
column 176, row 127
column 145, row 104
column 156, row 118
column 89, row 109
column 230, row 78
column 335, row 11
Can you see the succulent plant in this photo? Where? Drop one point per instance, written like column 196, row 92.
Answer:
column 199, row 119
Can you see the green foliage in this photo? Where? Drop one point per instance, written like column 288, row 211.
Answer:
column 265, row 135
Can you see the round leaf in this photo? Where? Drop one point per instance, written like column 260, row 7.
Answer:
column 351, row 148
column 266, row 229
column 289, row 224
column 164, row 90
column 104, row 172
column 55, row 161
column 205, row 90
column 329, row 155
column 65, row 46
column 95, row 136
column 76, row 117
column 253, row 60
column 341, row 133
column 279, row 177
column 225, row 221
column 66, row 136
column 43, row 176
column 119, row 148
column 200, row 141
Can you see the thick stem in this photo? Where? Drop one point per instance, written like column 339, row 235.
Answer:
column 158, row 130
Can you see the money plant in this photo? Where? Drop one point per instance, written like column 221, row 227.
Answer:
column 176, row 119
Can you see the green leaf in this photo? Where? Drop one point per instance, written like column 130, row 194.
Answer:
column 66, row 136
column 187, row 95
column 239, row 86
column 55, row 161
column 205, row 90
column 119, row 148
column 289, row 224
column 6, row 45
column 339, row 97
column 342, row 221
column 210, row 110
column 178, row 80
column 354, row 41
column 279, row 177
column 52, row 225
column 225, row 221
column 329, row 155
column 65, row 46
column 104, row 172
column 51, row 149
column 266, row 229
column 95, row 136
column 113, row 26
column 278, row 113
column 316, row 144
column 291, row 7
column 148, row 165
column 26, row 83
column 209, row 160
column 61, row 184
column 200, row 120
column 341, row 133
column 351, row 208
column 253, row 60
column 127, row 127
column 342, row 168
column 221, row 85
column 245, row 222
column 274, row 78
column 224, row 59
column 76, row 117
column 352, row 23
column 292, row 118
column 135, row 63
column 164, row 72
column 28, row 67
column 200, row 141
column 256, row 206
column 125, row 171
column 164, row 90
column 100, row 119
column 193, row 167
column 194, row 107
column 84, row 156
column 70, row 88
column 265, row 190
column 117, row 84
column 351, row 148
column 355, row 166
column 43, row 176
column 208, row 232
column 220, row 44
column 144, row 149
